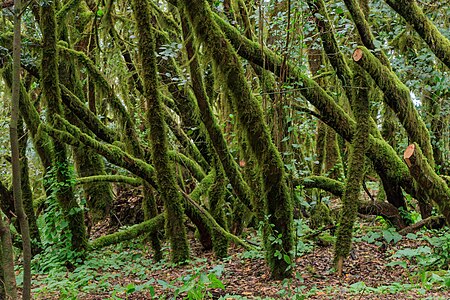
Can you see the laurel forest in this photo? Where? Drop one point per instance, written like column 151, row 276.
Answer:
column 226, row 149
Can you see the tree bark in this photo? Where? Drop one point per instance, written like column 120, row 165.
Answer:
column 15, row 154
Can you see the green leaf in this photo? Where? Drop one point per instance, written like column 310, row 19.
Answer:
column 215, row 282
column 131, row 288
column 397, row 263
column 100, row 13
column 287, row 259
column 390, row 235
column 411, row 236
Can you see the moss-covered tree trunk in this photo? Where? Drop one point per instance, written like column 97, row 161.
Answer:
column 207, row 117
column 350, row 199
column 250, row 115
column 398, row 97
column 151, row 211
column 216, row 205
column 433, row 185
column 175, row 228
column 27, row 193
column 98, row 196
column 52, row 93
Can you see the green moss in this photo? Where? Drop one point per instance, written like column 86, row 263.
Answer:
column 350, row 199
column 151, row 211
column 89, row 119
column 330, row 185
column 398, row 97
column 165, row 177
column 320, row 216
column 110, row 178
column 430, row 183
column 334, row 167
column 52, row 94
column 99, row 197
column 414, row 15
column 250, row 116
column 216, row 205
column 191, row 165
column 146, row 227
column 320, row 148
column 219, row 144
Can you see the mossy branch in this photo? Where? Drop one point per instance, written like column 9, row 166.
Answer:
column 110, row 178
column 379, row 151
column 321, row 182
column 250, row 115
column 398, row 97
column 433, row 185
column 219, row 144
column 73, row 136
column 214, row 225
column 71, row 101
column 414, row 15
column 331, row 112
column 147, row 227
column 119, row 109
column 194, row 168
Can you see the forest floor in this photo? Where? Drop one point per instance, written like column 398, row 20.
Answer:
column 128, row 272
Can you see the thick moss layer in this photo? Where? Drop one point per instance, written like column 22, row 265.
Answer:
column 414, row 15
column 216, row 136
column 147, row 227
column 99, row 197
column 398, row 97
column 216, row 206
column 355, row 174
column 52, row 93
column 383, row 156
column 165, row 177
column 250, row 115
column 433, row 185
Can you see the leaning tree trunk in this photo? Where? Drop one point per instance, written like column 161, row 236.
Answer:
column 250, row 115
column 413, row 14
column 175, row 228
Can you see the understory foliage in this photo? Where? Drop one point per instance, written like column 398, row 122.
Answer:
column 211, row 121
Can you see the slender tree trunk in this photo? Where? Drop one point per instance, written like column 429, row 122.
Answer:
column 7, row 264
column 350, row 199
column 15, row 154
column 27, row 193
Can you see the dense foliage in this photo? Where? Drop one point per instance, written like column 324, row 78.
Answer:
column 268, row 125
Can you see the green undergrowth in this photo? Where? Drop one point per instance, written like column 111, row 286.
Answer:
column 127, row 269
